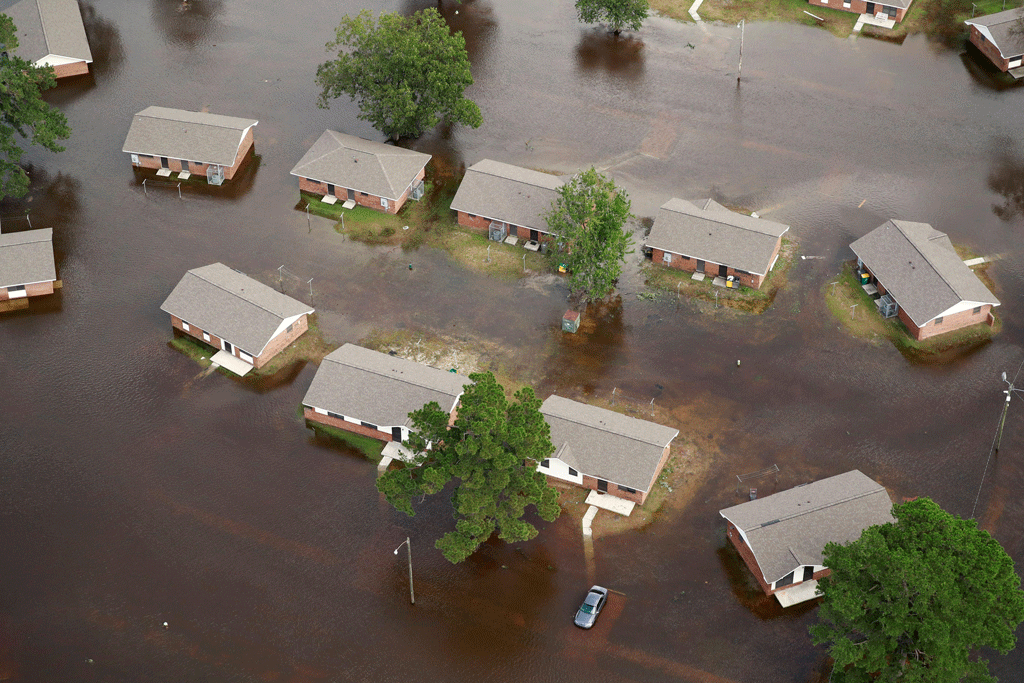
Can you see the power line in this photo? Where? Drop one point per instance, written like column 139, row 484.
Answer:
column 997, row 437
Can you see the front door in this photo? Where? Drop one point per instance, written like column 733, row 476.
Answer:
column 330, row 188
column 700, row 266
column 227, row 346
column 723, row 271
column 351, row 194
column 163, row 162
column 870, row 8
column 534, row 235
column 184, row 165
column 396, row 434
column 808, row 573
column 602, row 486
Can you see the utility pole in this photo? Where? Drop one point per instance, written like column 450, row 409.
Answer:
column 739, row 69
column 408, row 546
column 1006, row 407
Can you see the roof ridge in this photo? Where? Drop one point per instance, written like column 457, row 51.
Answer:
column 609, row 431
column 818, row 509
column 42, row 25
column 400, row 379
column 720, row 222
column 925, row 256
column 218, row 286
column 199, row 123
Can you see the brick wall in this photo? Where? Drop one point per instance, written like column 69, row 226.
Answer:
column 858, row 7
column 240, row 157
column 748, row 557
column 988, row 49
column 72, row 69
column 36, row 289
column 314, row 416
column 196, row 168
column 949, row 322
column 370, row 201
column 690, row 265
column 590, row 482
column 273, row 348
column 482, row 224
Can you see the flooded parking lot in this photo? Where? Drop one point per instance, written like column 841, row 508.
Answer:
column 136, row 493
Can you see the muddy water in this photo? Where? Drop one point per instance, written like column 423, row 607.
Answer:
column 137, row 493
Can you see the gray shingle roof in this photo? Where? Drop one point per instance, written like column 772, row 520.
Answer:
column 998, row 28
column 233, row 306
column 373, row 167
column 604, row 444
column 48, row 27
column 507, row 193
column 379, row 388
column 27, row 257
column 189, row 135
column 713, row 233
column 919, row 267
column 790, row 528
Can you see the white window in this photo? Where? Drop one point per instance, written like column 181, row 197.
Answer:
column 244, row 356
column 135, row 159
column 846, row 4
column 320, row 410
column 206, row 337
column 384, row 202
column 185, row 326
column 666, row 257
column 17, row 292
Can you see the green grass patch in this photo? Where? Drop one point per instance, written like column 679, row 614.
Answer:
column 369, row 448
column 756, row 301
column 193, row 348
column 865, row 322
column 475, row 252
column 731, row 11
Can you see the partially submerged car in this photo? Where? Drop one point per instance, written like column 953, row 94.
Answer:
column 591, row 607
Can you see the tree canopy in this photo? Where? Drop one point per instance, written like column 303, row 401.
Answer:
column 408, row 73
column 491, row 451
column 912, row 600
column 588, row 219
column 23, row 111
column 618, row 14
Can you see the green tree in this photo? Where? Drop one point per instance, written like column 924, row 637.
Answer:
column 911, row 600
column 619, row 14
column 409, row 73
column 23, row 111
column 491, row 452
column 588, row 220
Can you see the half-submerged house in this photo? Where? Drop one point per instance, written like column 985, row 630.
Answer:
column 245, row 319
column 604, row 450
column 503, row 200
column 707, row 238
column 26, row 264
column 189, row 143
column 371, row 174
column 886, row 14
column 999, row 38
column 921, row 279
column 50, row 33
column 371, row 393
column 781, row 537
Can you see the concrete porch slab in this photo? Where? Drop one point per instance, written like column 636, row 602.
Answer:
column 610, row 503
column 719, row 281
column 699, row 277
column 229, row 362
column 164, row 172
column 512, row 240
column 1017, row 72
column 794, row 595
column 329, row 199
column 396, row 451
column 349, row 204
column 532, row 245
column 184, row 175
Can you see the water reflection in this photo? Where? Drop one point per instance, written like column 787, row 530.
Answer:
column 104, row 41
column 235, row 189
column 588, row 355
column 1007, row 179
column 51, row 202
column 620, row 56
column 189, row 22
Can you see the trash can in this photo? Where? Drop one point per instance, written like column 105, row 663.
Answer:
column 571, row 321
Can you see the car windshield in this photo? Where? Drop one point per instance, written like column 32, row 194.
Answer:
column 586, row 609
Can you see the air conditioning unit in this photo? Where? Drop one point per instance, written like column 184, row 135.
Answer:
column 498, row 231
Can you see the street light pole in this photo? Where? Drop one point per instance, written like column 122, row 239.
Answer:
column 408, row 547
column 1006, row 407
column 739, row 69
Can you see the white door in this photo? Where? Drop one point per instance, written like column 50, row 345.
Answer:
column 384, row 203
column 1014, row 63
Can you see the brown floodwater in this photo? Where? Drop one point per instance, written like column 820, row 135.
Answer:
column 135, row 492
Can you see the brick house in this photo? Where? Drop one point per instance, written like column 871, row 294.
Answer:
column 603, row 450
column 706, row 237
column 893, row 10
column 189, row 142
column 993, row 34
column 26, row 264
column 232, row 312
column 917, row 271
column 781, row 537
column 376, row 175
column 509, row 198
column 50, row 33
column 371, row 393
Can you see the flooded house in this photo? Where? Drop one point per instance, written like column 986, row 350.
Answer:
column 603, row 450
column 999, row 37
column 707, row 239
column 781, row 537
column 26, row 264
column 50, row 33
column 918, row 277
column 189, row 143
column 885, row 14
column 355, row 171
column 247, row 321
column 505, row 201
column 371, row 393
